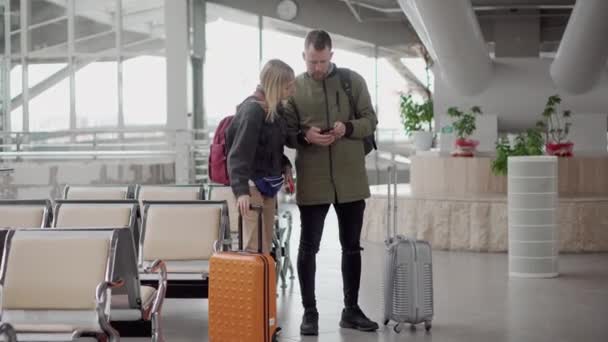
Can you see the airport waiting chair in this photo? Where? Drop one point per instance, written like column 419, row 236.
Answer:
column 18, row 214
column 99, row 192
column 184, row 234
column 135, row 309
column 170, row 193
column 25, row 213
column 57, row 285
column 97, row 213
column 218, row 192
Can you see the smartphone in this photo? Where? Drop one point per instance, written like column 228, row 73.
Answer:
column 327, row 130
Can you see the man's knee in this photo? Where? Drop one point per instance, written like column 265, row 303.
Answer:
column 352, row 250
column 307, row 248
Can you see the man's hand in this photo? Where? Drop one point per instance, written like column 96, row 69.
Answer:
column 314, row 136
column 339, row 130
column 243, row 204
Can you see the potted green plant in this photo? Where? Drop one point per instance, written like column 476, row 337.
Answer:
column 464, row 126
column 556, row 127
column 417, row 120
column 529, row 143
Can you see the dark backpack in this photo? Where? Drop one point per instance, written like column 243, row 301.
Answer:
column 369, row 142
column 218, row 155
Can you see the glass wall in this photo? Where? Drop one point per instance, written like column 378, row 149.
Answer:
column 101, row 64
column 390, row 87
column 288, row 47
column 83, row 64
column 232, row 60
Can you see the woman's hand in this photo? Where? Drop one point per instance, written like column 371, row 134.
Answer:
column 243, row 204
column 288, row 180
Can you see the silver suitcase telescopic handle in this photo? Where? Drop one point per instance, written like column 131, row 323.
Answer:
column 391, row 200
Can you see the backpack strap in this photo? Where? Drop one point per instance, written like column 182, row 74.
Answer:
column 347, row 84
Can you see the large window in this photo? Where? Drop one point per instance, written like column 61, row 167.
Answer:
column 390, row 87
column 279, row 45
column 144, row 90
column 96, row 94
column 49, row 101
column 84, row 64
column 359, row 58
column 16, row 88
column 232, row 61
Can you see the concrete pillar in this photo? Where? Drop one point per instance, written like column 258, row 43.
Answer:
column 532, row 208
column 177, row 52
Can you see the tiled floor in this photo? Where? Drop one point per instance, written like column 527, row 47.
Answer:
column 474, row 301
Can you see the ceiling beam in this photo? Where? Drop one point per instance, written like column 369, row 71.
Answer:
column 501, row 4
column 409, row 77
column 334, row 17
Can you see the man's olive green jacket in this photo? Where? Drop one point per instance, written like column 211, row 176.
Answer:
column 333, row 174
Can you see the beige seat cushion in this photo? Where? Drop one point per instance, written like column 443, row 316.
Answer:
column 21, row 216
column 73, row 268
column 122, row 301
column 46, row 328
column 224, row 193
column 175, row 232
column 186, row 266
column 93, row 215
column 168, row 193
column 97, row 193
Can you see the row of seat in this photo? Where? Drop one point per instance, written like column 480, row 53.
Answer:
column 62, row 284
column 182, row 233
column 215, row 192
column 170, row 223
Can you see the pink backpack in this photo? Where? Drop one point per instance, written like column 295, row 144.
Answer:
column 218, row 156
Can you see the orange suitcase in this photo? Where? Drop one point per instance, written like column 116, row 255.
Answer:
column 242, row 294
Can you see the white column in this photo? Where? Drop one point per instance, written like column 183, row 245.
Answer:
column 532, row 205
column 177, row 52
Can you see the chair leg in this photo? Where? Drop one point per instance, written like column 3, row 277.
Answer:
column 109, row 335
column 101, row 337
column 157, row 335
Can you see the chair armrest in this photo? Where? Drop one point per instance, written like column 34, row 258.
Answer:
column 102, row 297
column 158, row 266
column 8, row 331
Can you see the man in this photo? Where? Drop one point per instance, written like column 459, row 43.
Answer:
column 330, row 168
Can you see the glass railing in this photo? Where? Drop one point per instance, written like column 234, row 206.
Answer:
column 146, row 142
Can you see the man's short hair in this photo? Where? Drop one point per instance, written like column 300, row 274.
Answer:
column 319, row 39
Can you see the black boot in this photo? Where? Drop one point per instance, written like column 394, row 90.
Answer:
column 354, row 318
column 310, row 323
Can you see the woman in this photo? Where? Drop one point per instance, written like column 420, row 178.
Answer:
column 256, row 163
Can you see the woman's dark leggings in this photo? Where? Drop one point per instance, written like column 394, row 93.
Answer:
column 350, row 220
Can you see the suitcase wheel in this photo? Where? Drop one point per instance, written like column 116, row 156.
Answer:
column 428, row 326
column 397, row 328
column 386, row 322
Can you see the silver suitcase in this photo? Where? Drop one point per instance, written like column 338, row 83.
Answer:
column 408, row 280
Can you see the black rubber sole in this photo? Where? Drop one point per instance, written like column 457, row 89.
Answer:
column 348, row 325
column 309, row 333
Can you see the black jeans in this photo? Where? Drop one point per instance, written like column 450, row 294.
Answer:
column 350, row 220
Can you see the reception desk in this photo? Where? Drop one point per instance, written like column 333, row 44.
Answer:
column 578, row 176
column 458, row 204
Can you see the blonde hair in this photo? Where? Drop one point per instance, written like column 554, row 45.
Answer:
column 274, row 77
